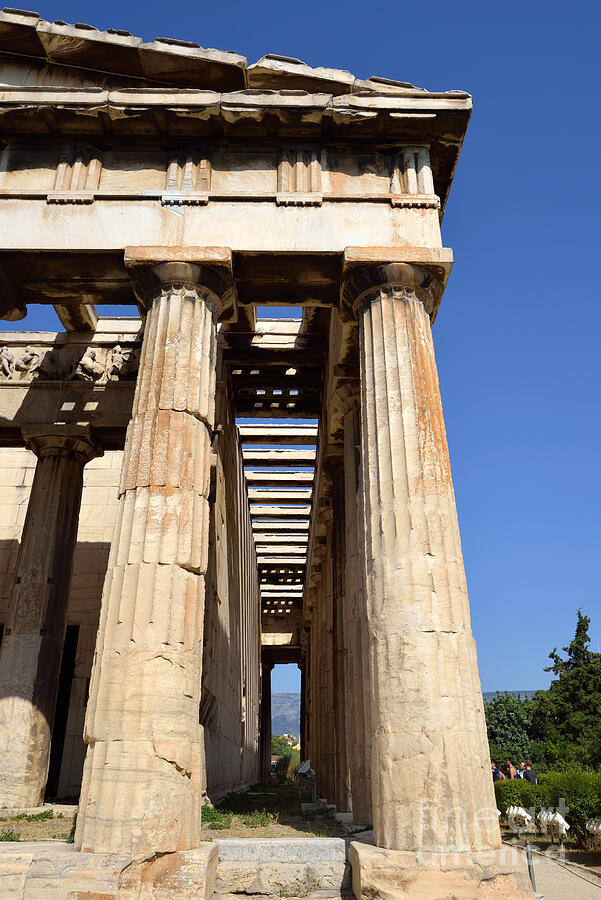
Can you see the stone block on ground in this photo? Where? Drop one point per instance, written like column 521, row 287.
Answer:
column 54, row 871
column 345, row 818
column 380, row 874
column 58, row 872
column 290, row 867
column 286, row 850
column 172, row 876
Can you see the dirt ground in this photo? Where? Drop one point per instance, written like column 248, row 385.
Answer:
column 265, row 811
column 53, row 822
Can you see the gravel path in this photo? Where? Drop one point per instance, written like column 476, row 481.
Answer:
column 558, row 883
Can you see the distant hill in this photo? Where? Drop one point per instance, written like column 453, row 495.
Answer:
column 285, row 710
column 523, row 695
column 285, row 714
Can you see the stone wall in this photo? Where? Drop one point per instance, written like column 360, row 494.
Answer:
column 232, row 626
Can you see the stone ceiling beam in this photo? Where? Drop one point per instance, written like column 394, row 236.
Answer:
column 273, row 575
column 281, row 589
column 262, row 560
column 278, row 434
column 82, row 316
column 275, row 479
column 238, row 353
column 298, row 497
column 275, row 378
column 279, row 408
column 289, row 527
column 279, row 457
column 274, row 335
column 279, row 512
column 291, row 549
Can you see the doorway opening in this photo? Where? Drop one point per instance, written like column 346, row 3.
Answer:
column 285, row 720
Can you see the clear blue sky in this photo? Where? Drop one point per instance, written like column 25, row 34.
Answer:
column 517, row 336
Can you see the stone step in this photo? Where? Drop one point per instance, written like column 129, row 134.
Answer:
column 283, row 867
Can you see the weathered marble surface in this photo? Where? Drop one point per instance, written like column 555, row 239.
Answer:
column 55, row 871
column 426, row 705
column 380, row 874
column 144, row 776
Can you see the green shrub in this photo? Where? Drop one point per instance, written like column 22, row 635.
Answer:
column 579, row 792
column 10, row 835
column 215, row 818
column 33, row 817
column 285, row 765
column 516, row 792
column 258, row 819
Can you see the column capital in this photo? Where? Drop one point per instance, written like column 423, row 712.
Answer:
column 207, row 269
column 367, row 283
column 62, row 440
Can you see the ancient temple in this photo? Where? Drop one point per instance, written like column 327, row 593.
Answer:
column 193, row 492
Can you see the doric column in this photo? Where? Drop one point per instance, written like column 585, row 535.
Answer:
column 33, row 641
column 265, row 731
column 357, row 662
column 429, row 755
column 144, row 773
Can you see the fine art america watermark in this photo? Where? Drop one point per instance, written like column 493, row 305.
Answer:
column 460, row 831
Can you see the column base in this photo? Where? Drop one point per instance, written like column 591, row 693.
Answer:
column 141, row 796
column 380, row 874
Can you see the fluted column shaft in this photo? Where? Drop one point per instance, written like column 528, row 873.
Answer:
column 144, row 774
column 33, row 641
column 430, row 774
column 357, row 663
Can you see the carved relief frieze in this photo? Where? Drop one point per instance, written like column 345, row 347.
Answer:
column 299, row 178
column 187, row 179
column 98, row 364
column 77, row 175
